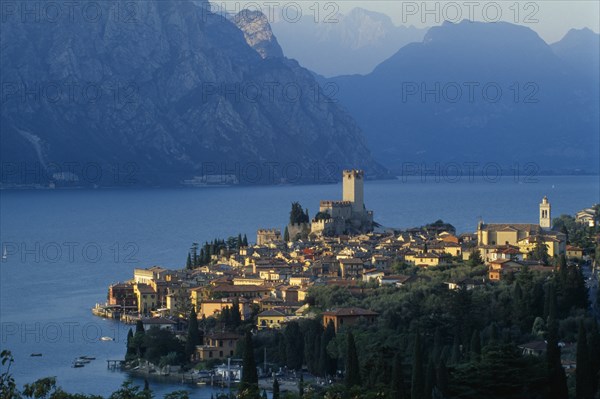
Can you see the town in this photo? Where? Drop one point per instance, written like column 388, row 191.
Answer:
column 324, row 276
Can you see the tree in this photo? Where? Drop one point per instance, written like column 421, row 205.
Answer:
column 293, row 345
column 249, row 381
column 297, row 214
column 264, row 394
column 327, row 364
column 193, row 334
column 8, row 387
column 475, row 258
column 130, row 349
column 429, row 379
column 594, row 345
column 539, row 251
column 475, row 346
column 417, row 383
column 557, row 379
column 188, row 262
column 352, row 365
column 398, row 389
column 583, row 372
column 301, row 385
column 286, row 234
column 276, row 389
column 236, row 315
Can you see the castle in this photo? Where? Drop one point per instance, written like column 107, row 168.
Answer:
column 348, row 215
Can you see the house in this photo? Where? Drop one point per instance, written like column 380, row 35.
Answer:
column 220, row 345
column 587, row 217
column 213, row 307
column 426, row 259
column 348, row 316
column 270, row 319
column 372, row 274
column 158, row 322
column 574, row 252
column 351, row 267
column 122, row 294
column 147, row 299
column 533, row 348
column 466, row 283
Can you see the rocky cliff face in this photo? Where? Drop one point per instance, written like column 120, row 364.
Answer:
column 163, row 91
column 257, row 33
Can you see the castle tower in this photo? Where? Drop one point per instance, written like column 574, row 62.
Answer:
column 545, row 215
column 353, row 189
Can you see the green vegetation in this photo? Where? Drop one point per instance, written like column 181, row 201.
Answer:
column 298, row 215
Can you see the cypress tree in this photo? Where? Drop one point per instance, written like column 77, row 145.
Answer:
column 264, row 395
column 429, row 379
column 293, row 345
column 139, row 327
column 301, row 385
column 130, row 349
column 557, row 379
column 352, row 366
column 455, row 354
column 594, row 346
column 236, row 315
column 437, row 345
column 475, row 346
column 188, row 262
column 193, row 334
column 146, row 392
column 276, row 394
column 398, row 387
column 245, row 240
column 442, row 377
column 327, row 364
column 286, row 234
column 417, row 383
column 239, row 242
column 249, row 381
column 583, row 372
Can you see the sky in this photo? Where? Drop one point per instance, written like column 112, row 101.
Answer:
column 551, row 19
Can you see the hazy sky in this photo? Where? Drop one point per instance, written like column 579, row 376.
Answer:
column 551, row 19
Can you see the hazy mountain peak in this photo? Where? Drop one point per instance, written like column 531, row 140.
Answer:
column 349, row 43
column 258, row 33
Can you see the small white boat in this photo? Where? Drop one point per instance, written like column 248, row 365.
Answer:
column 106, row 339
column 4, row 254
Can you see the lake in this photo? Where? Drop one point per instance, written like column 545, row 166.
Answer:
column 66, row 246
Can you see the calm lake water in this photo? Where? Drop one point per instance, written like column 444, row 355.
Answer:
column 66, row 246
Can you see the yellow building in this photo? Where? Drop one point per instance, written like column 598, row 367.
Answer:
column 574, row 252
column 217, row 346
column 523, row 235
column 270, row 319
column 147, row 299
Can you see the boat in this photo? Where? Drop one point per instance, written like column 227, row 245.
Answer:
column 36, row 355
column 106, row 339
column 4, row 254
column 77, row 364
column 82, row 360
column 87, row 358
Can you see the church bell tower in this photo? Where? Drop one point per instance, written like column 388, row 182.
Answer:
column 545, row 215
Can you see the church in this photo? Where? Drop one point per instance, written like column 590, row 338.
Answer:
column 494, row 239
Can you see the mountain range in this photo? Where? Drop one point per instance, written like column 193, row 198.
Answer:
column 343, row 44
column 482, row 93
column 165, row 92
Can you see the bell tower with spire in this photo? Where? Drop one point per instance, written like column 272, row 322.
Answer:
column 545, row 215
